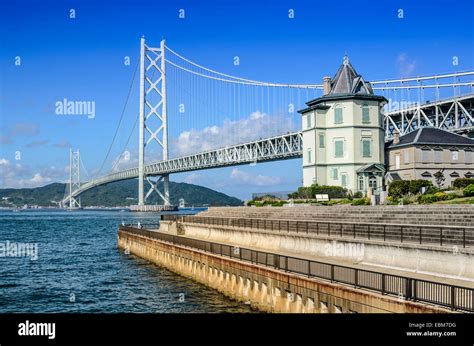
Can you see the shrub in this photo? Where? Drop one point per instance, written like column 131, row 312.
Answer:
column 304, row 192
column 427, row 199
column 432, row 190
column 407, row 200
column 390, row 201
column 358, row 194
column 308, row 192
column 277, row 203
column 361, row 201
column 331, row 202
column 332, row 191
column 415, row 186
column 441, row 196
column 452, row 196
column 461, row 183
column 469, row 190
column 399, row 188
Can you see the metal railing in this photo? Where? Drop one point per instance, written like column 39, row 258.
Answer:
column 404, row 233
column 454, row 297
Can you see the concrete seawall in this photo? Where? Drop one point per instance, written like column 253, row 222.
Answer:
column 452, row 262
column 265, row 288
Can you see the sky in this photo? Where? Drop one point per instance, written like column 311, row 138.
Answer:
column 46, row 56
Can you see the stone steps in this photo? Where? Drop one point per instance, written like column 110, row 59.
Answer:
column 417, row 215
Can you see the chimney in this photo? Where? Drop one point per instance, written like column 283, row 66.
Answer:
column 396, row 137
column 326, row 85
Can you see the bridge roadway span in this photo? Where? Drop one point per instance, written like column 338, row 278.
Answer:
column 454, row 114
column 288, row 146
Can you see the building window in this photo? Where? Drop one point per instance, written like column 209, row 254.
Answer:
column 321, row 140
column 454, row 155
column 308, row 121
column 468, row 156
column 366, row 147
column 426, row 174
column 373, row 182
column 454, row 175
column 334, row 174
column 361, row 184
column 338, row 114
column 425, row 155
column 344, row 180
column 397, row 161
column 365, row 115
column 406, row 156
column 310, row 159
column 339, row 148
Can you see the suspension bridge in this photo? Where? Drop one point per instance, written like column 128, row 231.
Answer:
column 192, row 118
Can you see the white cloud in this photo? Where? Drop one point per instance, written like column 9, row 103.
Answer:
column 16, row 175
column 124, row 161
column 193, row 178
column 37, row 144
column 38, row 180
column 26, row 129
column 256, row 125
column 63, row 144
column 241, row 177
column 406, row 66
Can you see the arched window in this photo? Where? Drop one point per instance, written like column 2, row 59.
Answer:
column 338, row 119
column 365, row 114
column 373, row 182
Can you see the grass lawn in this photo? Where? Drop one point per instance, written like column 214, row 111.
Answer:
column 460, row 200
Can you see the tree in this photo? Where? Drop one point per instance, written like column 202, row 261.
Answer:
column 439, row 178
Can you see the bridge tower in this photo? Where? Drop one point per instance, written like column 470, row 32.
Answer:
column 74, row 177
column 152, row 109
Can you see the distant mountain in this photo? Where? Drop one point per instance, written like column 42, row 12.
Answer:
column 121, row 193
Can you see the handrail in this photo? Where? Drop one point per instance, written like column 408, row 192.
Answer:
column 462, row 236
column 418, row 290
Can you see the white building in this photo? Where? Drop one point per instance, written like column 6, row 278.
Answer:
column 343, row 135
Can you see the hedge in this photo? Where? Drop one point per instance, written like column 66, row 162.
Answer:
column 361, row 201
column 400, row 188
column 461, row 183
column 469, row 190
column 315, row 189
column 426, row 199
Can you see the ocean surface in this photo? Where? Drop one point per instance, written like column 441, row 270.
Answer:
column 77, row 268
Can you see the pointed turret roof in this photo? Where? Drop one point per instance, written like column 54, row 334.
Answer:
column 346, row 84
column 348, row 81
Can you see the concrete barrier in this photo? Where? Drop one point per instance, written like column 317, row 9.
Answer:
column 447, row 262
column 264, row 288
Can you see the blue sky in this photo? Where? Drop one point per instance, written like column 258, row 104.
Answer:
column 83, row 59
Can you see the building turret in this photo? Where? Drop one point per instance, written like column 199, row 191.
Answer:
column 343, row 135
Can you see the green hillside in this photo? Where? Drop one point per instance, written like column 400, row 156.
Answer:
column 121, row 193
